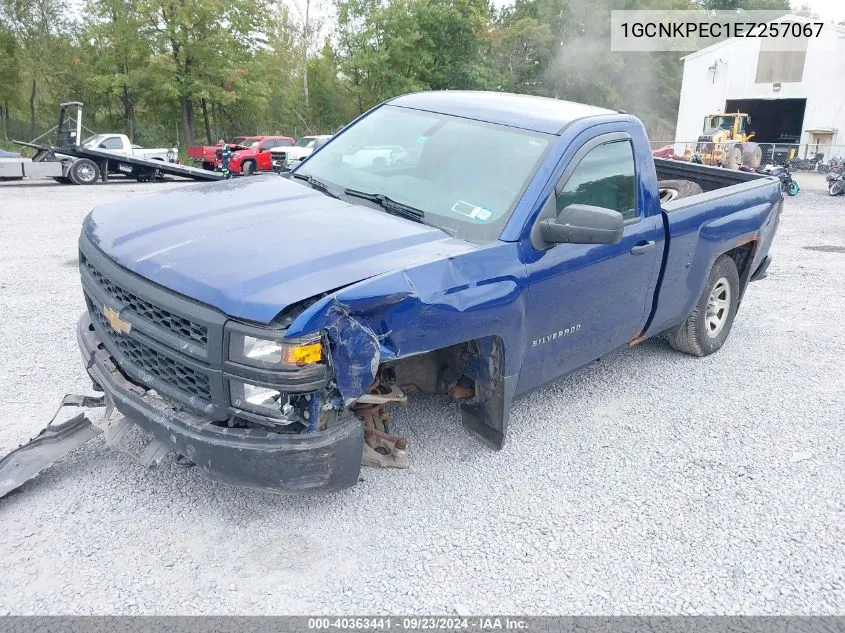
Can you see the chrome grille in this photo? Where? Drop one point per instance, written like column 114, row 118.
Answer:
column 160, row 317
column 144, row 357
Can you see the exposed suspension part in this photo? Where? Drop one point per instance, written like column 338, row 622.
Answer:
column 380, row 447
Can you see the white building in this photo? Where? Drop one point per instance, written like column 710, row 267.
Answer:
column 791, row 96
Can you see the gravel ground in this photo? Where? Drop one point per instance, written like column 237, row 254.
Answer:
column 652, row 482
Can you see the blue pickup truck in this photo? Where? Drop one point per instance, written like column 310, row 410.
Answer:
column 468, row 243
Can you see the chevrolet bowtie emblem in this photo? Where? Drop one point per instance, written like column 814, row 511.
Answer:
column 113, row 317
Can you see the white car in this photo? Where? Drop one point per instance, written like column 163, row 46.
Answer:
column 290, row 157
column 377, row 156
column 120, row 144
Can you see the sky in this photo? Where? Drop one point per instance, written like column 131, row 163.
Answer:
column 826, row 9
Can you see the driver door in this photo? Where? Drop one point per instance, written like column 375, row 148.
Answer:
column 585, row 300
column 263, row 158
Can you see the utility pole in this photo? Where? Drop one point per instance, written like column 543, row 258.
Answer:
column 305, row 59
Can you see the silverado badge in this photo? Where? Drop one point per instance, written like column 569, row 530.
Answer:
column 113, row 317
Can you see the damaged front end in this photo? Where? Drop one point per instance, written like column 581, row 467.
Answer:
column 296, row 405
column 248, row 404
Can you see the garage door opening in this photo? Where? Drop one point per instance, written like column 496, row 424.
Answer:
column 772, row 120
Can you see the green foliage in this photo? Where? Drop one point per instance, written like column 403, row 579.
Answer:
column 748, row 5
column 168, row 71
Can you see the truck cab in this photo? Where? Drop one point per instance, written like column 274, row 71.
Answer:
column 120, row 144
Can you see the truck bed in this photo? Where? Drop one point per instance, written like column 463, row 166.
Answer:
column 709, row 178
column 738, row 210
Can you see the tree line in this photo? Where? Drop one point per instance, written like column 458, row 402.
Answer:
column 189, row 71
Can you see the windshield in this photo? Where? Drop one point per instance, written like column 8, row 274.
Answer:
column 721, row 122
column 466, row 176
column 93, row 141
column 306, row 141
column 247, row 142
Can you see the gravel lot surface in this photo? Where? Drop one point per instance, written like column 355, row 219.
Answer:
column 652, row 482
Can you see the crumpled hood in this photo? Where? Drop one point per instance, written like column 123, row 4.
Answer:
column 250, row 247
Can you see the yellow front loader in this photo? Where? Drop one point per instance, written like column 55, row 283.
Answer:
column 725, row 141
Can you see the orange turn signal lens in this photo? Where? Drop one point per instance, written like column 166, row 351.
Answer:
column 304, row 354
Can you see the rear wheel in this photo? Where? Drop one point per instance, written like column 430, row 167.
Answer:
column 84, row 171
column 792, row 188
column 704, row 331
column 752, row 155
column 733, row 158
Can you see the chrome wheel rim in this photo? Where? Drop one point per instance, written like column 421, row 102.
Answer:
column 718, row 307
column 85, row 173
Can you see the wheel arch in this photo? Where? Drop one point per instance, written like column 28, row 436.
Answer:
column 472, row 373
column 743, row 255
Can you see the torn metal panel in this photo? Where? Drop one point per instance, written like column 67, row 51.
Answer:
column 408, row 312
column 53, row 443
column 355, row 352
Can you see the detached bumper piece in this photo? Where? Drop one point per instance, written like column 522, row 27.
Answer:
column 50, row 445
column 317, row 462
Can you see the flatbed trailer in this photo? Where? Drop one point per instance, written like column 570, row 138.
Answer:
column 139, row 165
column 85, row 166
column 69, row 162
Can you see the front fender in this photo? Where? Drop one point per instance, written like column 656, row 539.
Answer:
column 421, row 309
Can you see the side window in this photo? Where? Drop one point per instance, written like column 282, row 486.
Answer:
column 605, row 177
column 284, row 142
column 266, row 145
column 112, row 143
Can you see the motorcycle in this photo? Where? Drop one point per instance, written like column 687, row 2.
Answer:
column 787, row 182
column 835, row 184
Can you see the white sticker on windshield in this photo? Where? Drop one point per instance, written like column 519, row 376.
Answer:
column 472, row 211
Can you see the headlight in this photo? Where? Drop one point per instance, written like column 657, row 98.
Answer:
column 258, row 399
column 274, row 354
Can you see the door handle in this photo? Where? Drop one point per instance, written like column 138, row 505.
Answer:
column 642, row 247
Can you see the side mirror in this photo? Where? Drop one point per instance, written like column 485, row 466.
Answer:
column 584, row 224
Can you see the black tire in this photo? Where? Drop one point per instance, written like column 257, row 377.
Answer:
column 248, row 168
column 752, row 155
column 695, row 335
column 84, row 171
column 733, row 157
column 677, row 189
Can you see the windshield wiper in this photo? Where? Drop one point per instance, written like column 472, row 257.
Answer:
column 316, row 184
column 389, row 204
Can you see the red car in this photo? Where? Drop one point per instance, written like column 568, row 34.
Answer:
column 206, row 155
column 252, row 153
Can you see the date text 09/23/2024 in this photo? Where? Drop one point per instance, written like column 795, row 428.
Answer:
column 419, row 623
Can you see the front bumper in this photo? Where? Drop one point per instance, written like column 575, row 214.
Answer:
column 317, row 462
